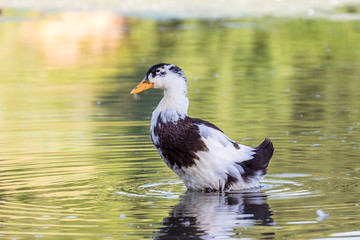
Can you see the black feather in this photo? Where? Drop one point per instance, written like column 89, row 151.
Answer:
column 179, row 141
column 259, row 162
column 153, row 69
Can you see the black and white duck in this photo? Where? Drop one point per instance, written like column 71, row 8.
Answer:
column 196, row 150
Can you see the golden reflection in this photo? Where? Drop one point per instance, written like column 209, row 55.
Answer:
column 67, row 37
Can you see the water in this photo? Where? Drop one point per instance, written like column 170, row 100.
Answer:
column 76, row 159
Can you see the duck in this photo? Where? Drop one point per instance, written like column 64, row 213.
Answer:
column 196, row 150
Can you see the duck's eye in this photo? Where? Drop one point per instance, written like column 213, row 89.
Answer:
column 157, row 70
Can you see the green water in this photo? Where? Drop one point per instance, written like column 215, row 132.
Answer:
column 76, row 159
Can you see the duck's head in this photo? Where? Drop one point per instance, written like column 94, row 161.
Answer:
column 165, row 76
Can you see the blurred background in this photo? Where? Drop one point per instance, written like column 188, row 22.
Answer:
column 76, row 159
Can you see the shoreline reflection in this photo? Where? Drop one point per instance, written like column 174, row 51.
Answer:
column 212, row 215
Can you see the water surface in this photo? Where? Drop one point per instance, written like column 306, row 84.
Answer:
column 76, row 159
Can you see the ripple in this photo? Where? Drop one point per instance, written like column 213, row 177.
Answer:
column 163, row 189
column 288, row 186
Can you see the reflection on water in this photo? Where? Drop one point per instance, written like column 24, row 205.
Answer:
column 213, row 215
column 76, row 159
column 64, row 38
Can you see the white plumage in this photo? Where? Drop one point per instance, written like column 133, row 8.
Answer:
column 198, row 151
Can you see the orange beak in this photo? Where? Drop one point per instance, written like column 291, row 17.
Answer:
column 145, row 84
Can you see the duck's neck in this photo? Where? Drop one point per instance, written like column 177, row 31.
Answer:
column 172, row 108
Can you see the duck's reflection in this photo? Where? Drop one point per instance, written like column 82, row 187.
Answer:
column 215, row 215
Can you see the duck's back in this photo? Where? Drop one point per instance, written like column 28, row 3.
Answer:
column 205, row 158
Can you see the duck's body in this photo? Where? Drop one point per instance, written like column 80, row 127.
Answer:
column 196, row 150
